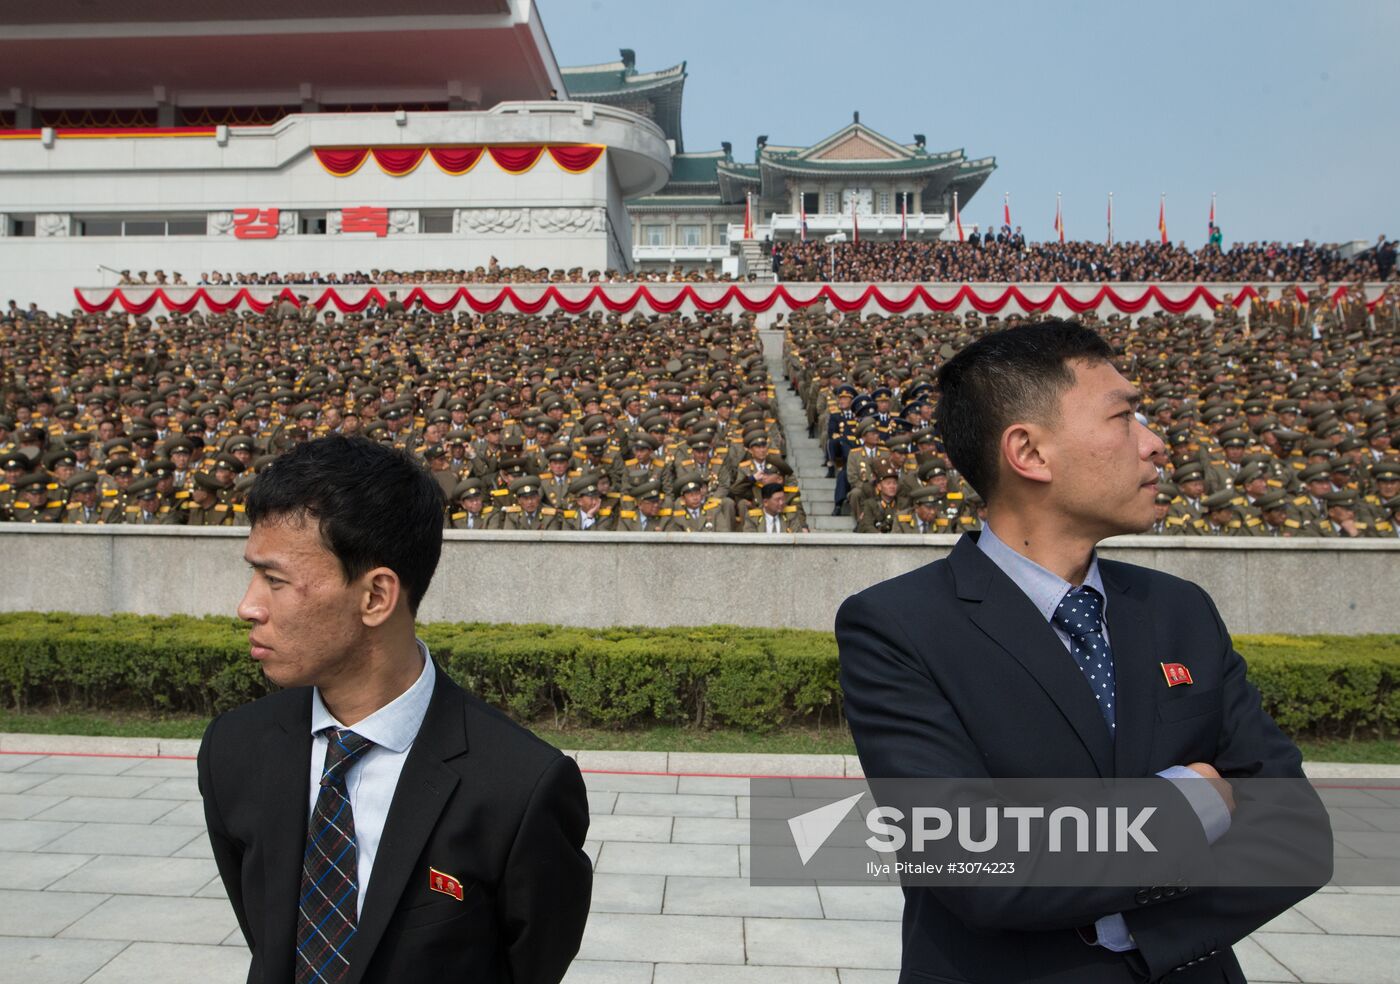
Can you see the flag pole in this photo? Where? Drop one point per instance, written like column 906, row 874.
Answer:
column 1110, row 218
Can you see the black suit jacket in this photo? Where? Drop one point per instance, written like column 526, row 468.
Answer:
column 951, row 671
column 479, row 798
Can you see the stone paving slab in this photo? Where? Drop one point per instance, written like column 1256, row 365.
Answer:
column 125, row 838
column 682, row 939
column 670, row 973
column 34, row 871
column 822, row 943
column 85, row 808
column 174, row 963
column 48, row 961
column 112, row 787
column 43, row 913
column 152, row 919
column 1336, row 959
column 674, row 805
column 13, row 806
column 697, row 896
column 133, row 896
column 608, row 972
column 628, row 893
column 123, row 875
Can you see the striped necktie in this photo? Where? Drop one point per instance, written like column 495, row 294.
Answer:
column 327, row 912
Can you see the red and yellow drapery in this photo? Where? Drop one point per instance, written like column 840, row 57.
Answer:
column 512, row 158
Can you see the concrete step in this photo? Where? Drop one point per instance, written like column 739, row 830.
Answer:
column 829, row 524
column 818, row 488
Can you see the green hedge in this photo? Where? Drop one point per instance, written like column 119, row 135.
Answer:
column 712, row 676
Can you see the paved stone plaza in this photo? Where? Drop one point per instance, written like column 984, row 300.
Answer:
column 106, row 876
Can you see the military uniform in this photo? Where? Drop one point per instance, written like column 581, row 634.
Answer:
column 39, row 500
column 630, row 518
column 517, row 517
column 711, row 515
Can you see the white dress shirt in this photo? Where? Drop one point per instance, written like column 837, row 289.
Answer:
column 374, row 776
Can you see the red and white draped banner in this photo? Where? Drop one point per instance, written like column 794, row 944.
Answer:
column 512, row 158
column 668, row 298
column 665, row 298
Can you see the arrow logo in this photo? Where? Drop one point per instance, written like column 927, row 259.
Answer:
column 810, row 830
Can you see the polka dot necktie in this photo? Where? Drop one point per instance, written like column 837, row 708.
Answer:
column 1080, row 614
column 327, row 912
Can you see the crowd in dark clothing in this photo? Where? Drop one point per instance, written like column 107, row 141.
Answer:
column 1008, row 258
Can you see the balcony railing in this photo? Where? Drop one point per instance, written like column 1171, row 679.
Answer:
column 785, row 225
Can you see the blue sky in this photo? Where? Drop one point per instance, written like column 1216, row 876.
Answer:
column 1286, row 110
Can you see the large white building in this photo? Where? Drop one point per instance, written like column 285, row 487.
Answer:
column 315, row 136
column 320, row 136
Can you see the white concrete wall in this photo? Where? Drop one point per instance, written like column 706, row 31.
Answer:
column 543, row 217
column 603, row 579
column 712, row 292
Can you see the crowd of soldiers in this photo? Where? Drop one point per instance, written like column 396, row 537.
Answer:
column 1280, row 420
column 1008, row 258
column 551, row 422
column 1282, row 425
column 492, row 273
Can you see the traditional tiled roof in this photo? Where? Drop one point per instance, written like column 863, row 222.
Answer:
column 656, row 95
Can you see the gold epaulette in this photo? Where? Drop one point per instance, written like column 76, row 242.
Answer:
column 628, row 514
column 712, row 504
column 755, row 512
column 568, row 513
column 902, row 517
column 458, row 515
column 548, row 511
column 953, row 495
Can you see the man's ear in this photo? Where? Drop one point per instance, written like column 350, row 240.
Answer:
column 380, row 597
column 1022, row 451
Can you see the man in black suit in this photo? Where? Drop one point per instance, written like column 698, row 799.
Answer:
column 371, row 821
column 1024, row 655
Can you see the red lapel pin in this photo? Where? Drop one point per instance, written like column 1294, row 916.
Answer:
column 1176, row 673
column 444, row 883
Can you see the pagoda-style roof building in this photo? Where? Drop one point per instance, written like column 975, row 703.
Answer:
column 855, row 180
column 655, row 95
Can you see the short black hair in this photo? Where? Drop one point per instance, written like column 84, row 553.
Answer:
column 1015, row 374
column 375, row 505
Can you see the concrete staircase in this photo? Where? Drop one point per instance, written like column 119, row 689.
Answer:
column 804, row 453
column 753, row 261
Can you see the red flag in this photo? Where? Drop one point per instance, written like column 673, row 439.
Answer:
column 957, row 217
column 748, row 216
column 1059, row 220
column 802, row 221
column 1211, row 226
column 855, row 223
column 1006, row 210
column 1162, row 220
